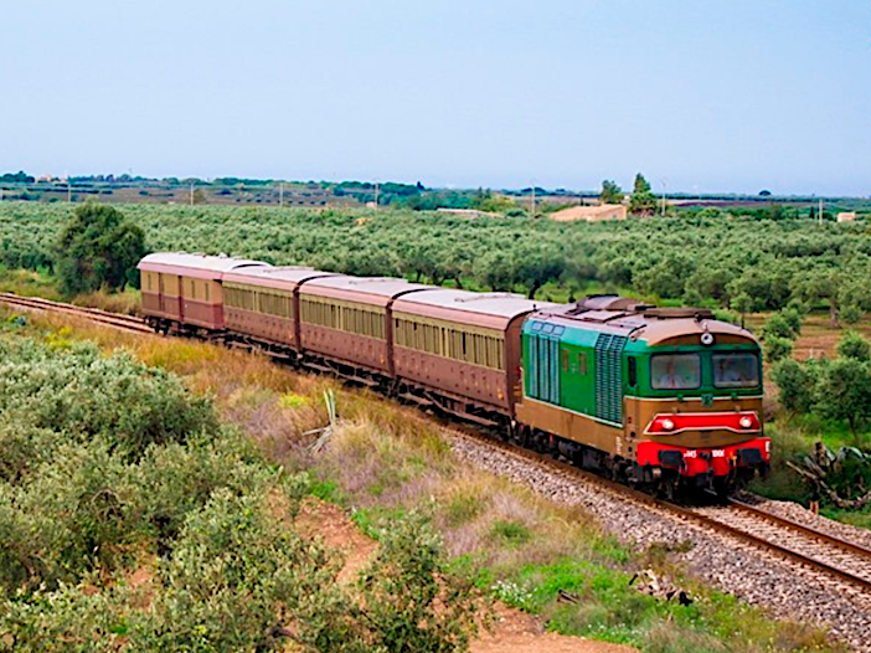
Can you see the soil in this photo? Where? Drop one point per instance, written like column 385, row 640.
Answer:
column 511, row 631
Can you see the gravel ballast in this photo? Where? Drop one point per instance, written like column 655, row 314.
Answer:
column 753, row 575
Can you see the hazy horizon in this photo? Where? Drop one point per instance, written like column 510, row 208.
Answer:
column 700, row 97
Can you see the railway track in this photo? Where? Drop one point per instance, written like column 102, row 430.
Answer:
column 837, row 557
column 125, row 322
column 790, row 541
column 795, row 543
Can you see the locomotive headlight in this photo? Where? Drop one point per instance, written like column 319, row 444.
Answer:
column 707, row 339
column 667, row 424
column 745, row 422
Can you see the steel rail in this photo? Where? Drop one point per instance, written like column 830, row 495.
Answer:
column 127, row 322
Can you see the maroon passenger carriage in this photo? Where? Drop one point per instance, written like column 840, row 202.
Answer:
column 183, row 291
column 452, row 348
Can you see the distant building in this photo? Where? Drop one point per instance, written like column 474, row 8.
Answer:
column 591, row 213
column 847, row 216
column 470, row 213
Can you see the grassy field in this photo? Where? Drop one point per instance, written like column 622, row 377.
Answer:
column 385, row 461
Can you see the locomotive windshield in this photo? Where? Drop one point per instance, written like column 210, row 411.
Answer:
column 676, row 371
column 736, row 369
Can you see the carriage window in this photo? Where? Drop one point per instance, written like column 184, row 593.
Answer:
column 736, row 369
column 675, row 371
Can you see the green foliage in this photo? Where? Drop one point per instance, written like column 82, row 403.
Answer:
column 643, row 200
column 844, row 392
column 778, row 326
column 720, row 255
column 87, row 494
column 854, row 345
column 796, row 382
column 851, row 314
column 510, row 532
column 409, row 595
column 793, row 317
column 228, row 574
column 840, row 476
column 611, row 192
column 97, row 247
column 776, row 348
column 83, row 393
column 493, row 202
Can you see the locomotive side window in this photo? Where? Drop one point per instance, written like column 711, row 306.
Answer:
column 675, row 371
column 736, row 369
column 633, row 371
column 582, row 363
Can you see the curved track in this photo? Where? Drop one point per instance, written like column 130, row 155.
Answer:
column 126, row 322
column 796, row 543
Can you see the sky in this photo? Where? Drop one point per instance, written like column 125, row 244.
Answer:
column 699, row 95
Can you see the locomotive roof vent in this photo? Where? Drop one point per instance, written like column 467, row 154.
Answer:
column 668, row 313
column 608, row 303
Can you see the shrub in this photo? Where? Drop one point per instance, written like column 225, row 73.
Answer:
column 778, row 326
column 777, row 348
column 851, row 314
column 78, row 391
column 844, row 392
column 853, row 345
column 796, row 382
column 410, row 601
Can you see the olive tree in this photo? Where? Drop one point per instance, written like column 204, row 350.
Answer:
column 96, row 248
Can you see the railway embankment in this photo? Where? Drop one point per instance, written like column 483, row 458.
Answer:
column 544, row 543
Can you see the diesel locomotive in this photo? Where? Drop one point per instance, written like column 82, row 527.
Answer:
column 668, row 399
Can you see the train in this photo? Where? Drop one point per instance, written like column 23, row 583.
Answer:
column 666, row 399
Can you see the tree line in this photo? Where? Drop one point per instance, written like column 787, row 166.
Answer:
column 744, row 262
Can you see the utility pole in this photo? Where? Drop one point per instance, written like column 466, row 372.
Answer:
column 821, row 211
column 69, row 192
column 376, row 194
column 533, row 199
column 663, row 196
column 192, row 193
column 280, row 194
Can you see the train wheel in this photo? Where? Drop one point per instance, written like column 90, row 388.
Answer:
column 722, row 487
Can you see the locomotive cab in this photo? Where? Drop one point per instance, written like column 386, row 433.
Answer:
column 695, row 410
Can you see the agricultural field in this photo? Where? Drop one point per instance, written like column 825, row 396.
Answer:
column 172, row 501
column 748, row 262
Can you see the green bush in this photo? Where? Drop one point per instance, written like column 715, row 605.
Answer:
column 850, row 314
column 776, row 348
column 853, row 345
column 84, row 394
column 796, row 382
column 778, row 326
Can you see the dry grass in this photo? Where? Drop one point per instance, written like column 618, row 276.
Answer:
column 127, row 302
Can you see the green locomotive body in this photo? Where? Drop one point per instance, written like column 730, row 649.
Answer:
column 660, row 397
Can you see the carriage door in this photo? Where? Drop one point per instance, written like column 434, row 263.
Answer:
column 161, row 294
